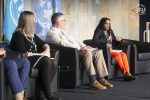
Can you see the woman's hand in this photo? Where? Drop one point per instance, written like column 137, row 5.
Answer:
column 2, row 52
column 46, row 51
column 29, row 54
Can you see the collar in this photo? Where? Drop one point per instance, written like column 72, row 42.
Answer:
column 55, row 29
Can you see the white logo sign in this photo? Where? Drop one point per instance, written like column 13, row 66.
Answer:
column 141, row 9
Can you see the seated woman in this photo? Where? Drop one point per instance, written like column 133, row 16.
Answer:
column 104, row 35
column 17, row 74
column 24, row 40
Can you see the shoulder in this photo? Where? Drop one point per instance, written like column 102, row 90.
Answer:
column 54, row 30
column 98, row 31
column 18, row 33
column 53, row 33
column 35, row 36
column 18, row 36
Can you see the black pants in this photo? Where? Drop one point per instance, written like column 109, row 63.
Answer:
column 46, row 72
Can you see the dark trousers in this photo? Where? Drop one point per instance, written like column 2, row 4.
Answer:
column 17, row 73
column 46, row 72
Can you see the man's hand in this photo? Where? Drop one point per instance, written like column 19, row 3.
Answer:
column 87, row 48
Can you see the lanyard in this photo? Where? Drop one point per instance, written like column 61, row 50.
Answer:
column 32, row 41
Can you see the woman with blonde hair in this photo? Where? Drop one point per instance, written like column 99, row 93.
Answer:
column 26, row 41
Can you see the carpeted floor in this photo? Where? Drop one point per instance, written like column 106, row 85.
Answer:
column 134, row 90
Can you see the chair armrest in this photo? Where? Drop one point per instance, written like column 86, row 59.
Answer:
column 141, row 46
column 11, row 53
column 106, row 50
column 3, row 44
column 68, row 56
column 89, row 42
column 123, row 46
column 107, row 55
column 129, row 41
column 1, row 80
column 54, row 54
column 14, row 54
column 134, row 54
column 68, row 65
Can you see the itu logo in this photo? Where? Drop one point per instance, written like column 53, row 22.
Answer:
column 15, row 8
column 141, row 9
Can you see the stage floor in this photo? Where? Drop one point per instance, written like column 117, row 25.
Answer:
column 134, row 90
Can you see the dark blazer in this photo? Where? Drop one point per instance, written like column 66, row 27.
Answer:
column 99, row 37
column 21, row 44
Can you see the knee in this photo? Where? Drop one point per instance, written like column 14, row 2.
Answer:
column 46, row 60
column 117, row 56
column 26, row 63
column 87, row 54
column 123, row 54
column 99, row 53
column 10, row 65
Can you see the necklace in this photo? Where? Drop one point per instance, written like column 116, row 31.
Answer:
column 32, row 41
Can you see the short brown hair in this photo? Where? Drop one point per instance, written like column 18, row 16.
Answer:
column 55, row 17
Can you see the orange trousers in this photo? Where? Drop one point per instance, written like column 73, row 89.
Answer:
column 121, row 60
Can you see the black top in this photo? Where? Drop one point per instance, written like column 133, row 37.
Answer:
column 24, row 44
column 100, row 39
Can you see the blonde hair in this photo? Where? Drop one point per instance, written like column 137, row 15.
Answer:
column 26, row 24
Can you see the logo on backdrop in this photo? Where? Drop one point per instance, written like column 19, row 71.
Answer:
column 44, row 11
column 15, row 11
column 141, row 9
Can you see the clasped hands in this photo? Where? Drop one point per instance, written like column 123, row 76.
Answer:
column 87, row 48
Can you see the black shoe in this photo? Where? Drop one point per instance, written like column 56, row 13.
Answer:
column 128, row 78
column 133, row 77
column 53, row 98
